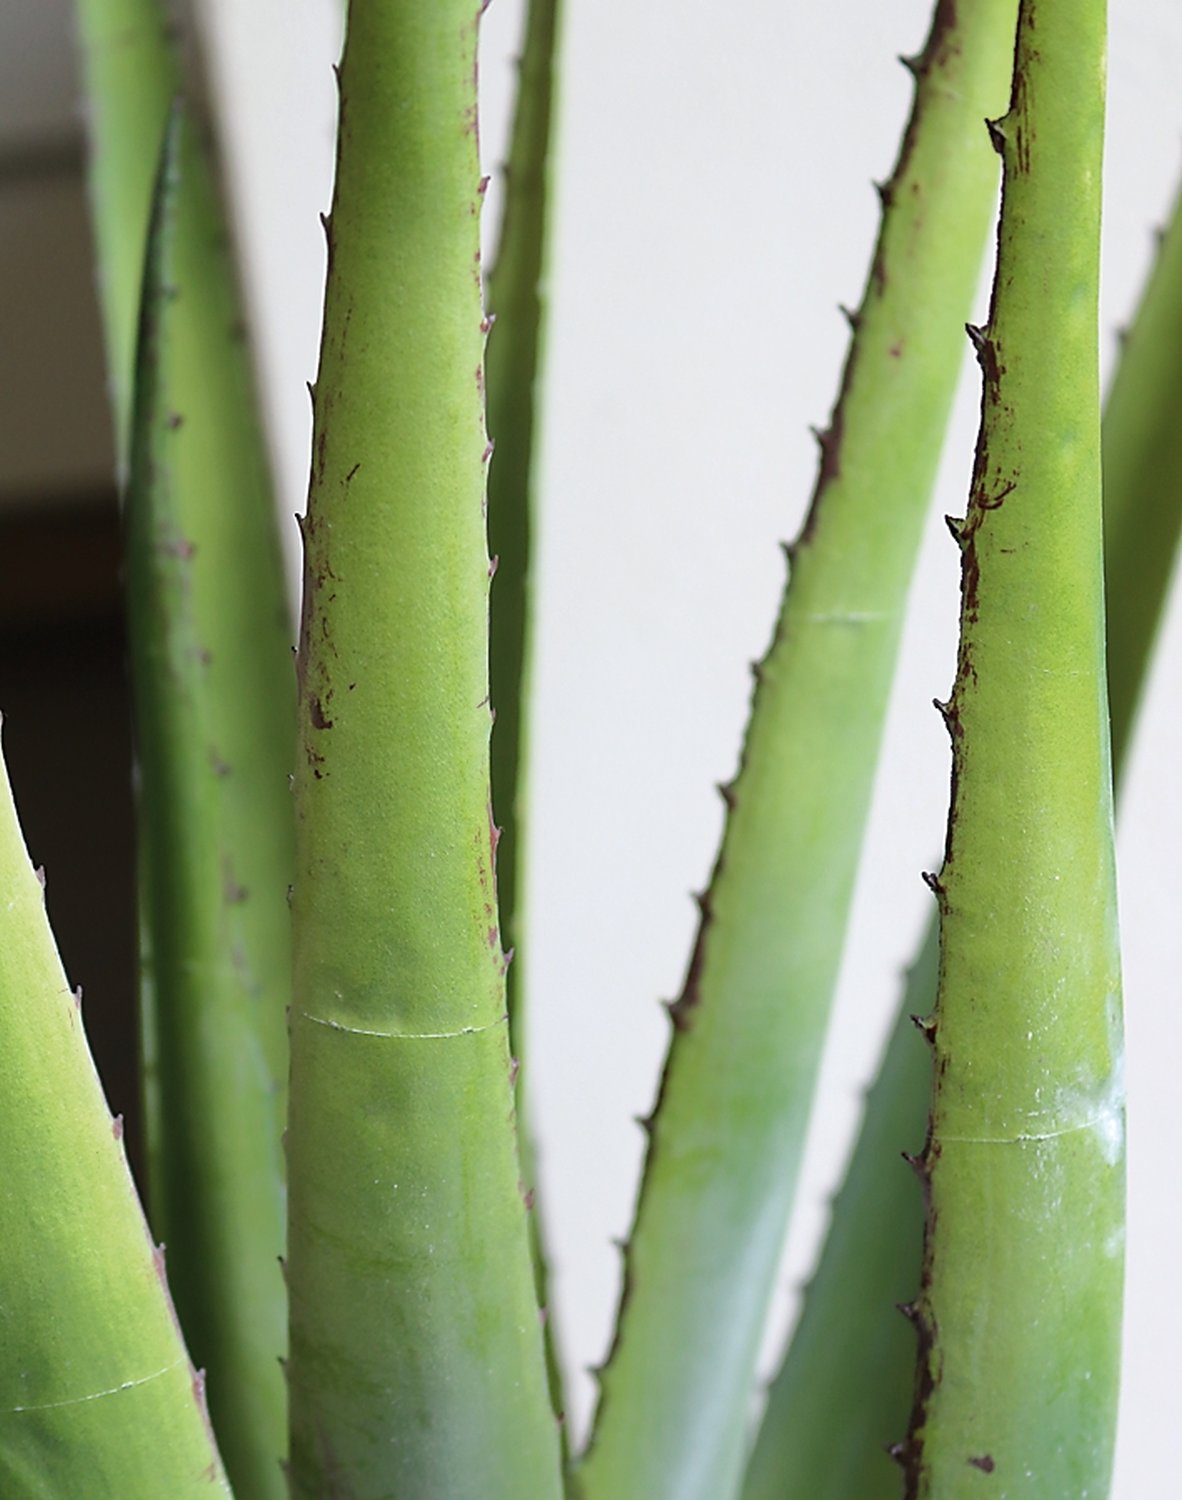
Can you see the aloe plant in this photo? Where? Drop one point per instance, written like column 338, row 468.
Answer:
column 214, row 728
column 513, row 368
column 851, row 1350
column 734, row 1101
column 397, row 1326
column 417, row 1361
column 97, row 1388
column 1024, row 1164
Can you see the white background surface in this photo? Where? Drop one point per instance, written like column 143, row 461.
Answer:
column 713, row 208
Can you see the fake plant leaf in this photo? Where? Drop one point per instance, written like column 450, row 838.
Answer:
column 417, row 1362
column 97, row 1395
column 214, row 717
column 842, row 1394
column 1019, row 1313
column 1143, row 484
column 843, row 1391
column 513, row 363
column 131, row 76
column 727, row 1135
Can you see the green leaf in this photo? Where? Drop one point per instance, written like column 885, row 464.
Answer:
column 735, row 1099
column 97, row 1395
column 215, row 725
column 1143, row 484
column 417, row 1362
column 513, row 364
column 1019, row 1313
column 842, row 1393
column 131, row 77
column 515, row 353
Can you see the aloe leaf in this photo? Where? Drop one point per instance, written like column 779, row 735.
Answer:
column 215, row 727
column 515, row 352
column 1019, row 1312
column 131, row 76
column 1143, row 484
column 513, row 363
column 851, row 1354
column 214, row 711
column 417, row 1362
column 97, row 1395
column 727, row 1135
column 842, row 1394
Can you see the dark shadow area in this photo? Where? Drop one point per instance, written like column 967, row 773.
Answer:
column 67, row 742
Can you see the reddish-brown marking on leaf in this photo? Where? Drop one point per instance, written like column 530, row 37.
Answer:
column 994, row 502
column 970, row 580
column 681, row 1010
column 233, row 893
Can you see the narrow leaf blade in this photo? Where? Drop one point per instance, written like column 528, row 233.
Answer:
column 97, row 1395
column 850, row 1352
column 417, row 1361
column 1023, row 1262
column 131, row 77
column 214, row 712
column 735, row 1098
column 513, row 366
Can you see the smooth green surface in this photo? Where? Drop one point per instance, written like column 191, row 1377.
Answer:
column 842, row 1395
column 130, row 77
column 738, row 1084
column 1023, row 1260
column 515, row 352
column 1143, row 483
column 97, row 1396
column 417, row 1364
column 215, row 724
column 843, row 1390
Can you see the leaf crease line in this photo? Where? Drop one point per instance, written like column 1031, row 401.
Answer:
column 849, row 617
column 1094, row 1123
column 115, row 1390
column 401, row 1036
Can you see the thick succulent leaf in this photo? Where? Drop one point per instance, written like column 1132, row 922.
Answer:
column 842, row 1393
column 727, row 1135
column 97, row 1395
column 417, row 1363
column 513, row 366
column 214, row 699
column 131, row 77
column 1019, row 1312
